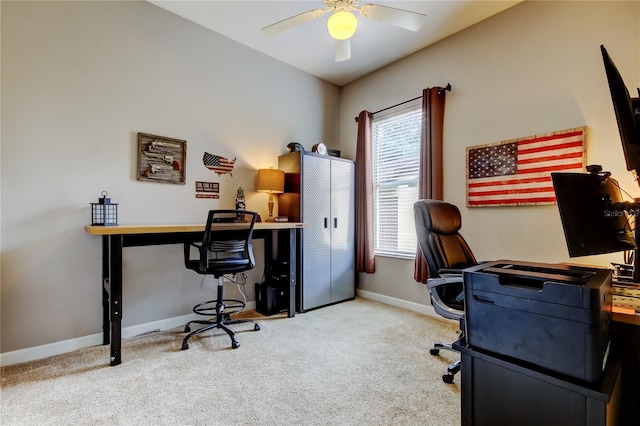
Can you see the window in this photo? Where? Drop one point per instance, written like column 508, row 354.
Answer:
column 396, row 165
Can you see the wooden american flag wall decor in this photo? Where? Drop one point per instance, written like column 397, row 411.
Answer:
column 518, row 172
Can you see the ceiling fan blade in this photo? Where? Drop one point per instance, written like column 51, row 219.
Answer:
column 398, row 17
column 343, row 50
column 291, row 22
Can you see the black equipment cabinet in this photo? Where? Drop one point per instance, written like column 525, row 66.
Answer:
column 543, row 348
column 499, row 391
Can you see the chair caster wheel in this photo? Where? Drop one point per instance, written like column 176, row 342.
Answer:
column 256, row 327
column 434, row 351
column 235, row 345
column 185, row 347
column 447, row 378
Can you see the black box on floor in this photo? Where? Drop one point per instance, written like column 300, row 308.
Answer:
column 267, row 297
column 552, row 315
column 278, row 277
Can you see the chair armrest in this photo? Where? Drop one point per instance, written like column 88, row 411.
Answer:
column 439, row 306
column 202, row 253
column 432, row 283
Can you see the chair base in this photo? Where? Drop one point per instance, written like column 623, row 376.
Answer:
column 218, row 323
column 222, row 309
column 451, row 372
column 437, row 346
column 453, row 368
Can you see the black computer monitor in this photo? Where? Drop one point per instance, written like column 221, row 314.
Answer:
column 627, row 111
column 592, row 225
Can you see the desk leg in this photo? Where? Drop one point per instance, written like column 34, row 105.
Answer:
column 115, row 299
column 293, row 277
column 106, row 325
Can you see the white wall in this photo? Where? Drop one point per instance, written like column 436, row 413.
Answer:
column 79, row 81
column 534, row 68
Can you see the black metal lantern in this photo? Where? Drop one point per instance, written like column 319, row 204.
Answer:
column 104, row 212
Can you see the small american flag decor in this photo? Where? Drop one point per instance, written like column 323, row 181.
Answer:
column 518, row 172
column 218, row 164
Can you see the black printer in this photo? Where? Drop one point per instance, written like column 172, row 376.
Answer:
column 552, row 315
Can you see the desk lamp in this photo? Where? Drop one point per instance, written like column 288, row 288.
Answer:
column 271, row 181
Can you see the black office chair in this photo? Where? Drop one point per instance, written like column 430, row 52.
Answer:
column 221, row 252
column 447, row 254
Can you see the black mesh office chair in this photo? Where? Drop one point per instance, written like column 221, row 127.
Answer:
column 221, row 252
column 447, row 254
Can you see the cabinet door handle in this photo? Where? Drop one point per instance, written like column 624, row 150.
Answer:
column 325, row 222
column 335, row 222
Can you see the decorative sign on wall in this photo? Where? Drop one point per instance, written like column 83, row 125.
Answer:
column 207, row 189
column 518, row 172
column 207, row 186
column 161, row 159
column 218, row 164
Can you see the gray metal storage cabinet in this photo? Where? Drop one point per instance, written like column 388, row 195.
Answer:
column 320, row 191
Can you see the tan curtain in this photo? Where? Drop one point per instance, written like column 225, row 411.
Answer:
column 430, row 180
column 365, row 260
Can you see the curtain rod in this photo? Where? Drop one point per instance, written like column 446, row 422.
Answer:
column 440, row 91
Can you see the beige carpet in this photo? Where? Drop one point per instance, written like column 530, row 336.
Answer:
column 354, row 363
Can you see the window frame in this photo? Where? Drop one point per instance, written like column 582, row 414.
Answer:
column 405, row 238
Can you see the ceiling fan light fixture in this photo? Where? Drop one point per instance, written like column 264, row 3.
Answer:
column 342, row 25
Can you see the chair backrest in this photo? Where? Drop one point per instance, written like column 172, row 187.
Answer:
column 437, row 224
column 227, row 249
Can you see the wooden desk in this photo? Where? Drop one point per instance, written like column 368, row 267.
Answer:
column 114, row 238
column 627, row 319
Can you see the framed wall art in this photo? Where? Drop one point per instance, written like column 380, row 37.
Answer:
column 518, row 172
column 161, row 159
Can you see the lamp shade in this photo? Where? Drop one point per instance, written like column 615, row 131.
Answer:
column 271, row 181
column 342, row 25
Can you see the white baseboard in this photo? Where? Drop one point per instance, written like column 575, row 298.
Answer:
column 57, row 348
column 399, row 303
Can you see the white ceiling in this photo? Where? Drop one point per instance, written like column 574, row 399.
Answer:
column 310, row 48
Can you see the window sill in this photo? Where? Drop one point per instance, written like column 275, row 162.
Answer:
column 407, row 256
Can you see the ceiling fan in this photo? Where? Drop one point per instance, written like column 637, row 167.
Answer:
column 342, row 23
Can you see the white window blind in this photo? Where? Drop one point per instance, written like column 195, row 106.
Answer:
column 396, row 162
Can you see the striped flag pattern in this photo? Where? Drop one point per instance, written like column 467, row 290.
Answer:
column 518, row 172
column 218, row 164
